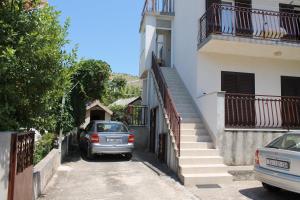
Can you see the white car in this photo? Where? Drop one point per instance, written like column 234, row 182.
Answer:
column 277, row 165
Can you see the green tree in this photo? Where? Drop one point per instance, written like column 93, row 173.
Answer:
column 93, row 78
column 33, row 65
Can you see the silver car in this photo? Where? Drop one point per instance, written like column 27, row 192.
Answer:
column 107, row 137
column 277, row 165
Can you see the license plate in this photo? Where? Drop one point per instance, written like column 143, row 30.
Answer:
column 113, row 140
column 278, row 163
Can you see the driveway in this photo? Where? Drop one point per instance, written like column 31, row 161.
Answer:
column 113, row 177
column 240, row 190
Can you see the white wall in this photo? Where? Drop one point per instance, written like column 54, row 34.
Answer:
column 267, row 72
column 185, row 30
column 5, row 140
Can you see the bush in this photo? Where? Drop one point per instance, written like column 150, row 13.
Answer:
column 119, row 112
column 43, row 147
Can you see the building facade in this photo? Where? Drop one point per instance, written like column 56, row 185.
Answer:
column 221, row 78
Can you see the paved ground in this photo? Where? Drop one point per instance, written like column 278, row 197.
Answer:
column 241, row 190
column 114, row 178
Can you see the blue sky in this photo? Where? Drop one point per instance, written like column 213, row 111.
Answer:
column 105, row 29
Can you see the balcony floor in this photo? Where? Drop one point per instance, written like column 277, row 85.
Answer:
column 235, row 45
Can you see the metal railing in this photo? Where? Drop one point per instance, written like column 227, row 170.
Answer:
column 165, row 7
column 136, row 115
column 248, row 22
column 261, row 111
column 174, row 117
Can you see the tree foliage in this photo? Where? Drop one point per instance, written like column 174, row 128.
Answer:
column 92, row 77
column 33, row 66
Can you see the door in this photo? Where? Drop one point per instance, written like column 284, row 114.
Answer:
column 152, row 130
column 243, row 17
column 239, row 109
column 21, row 167
column 97, row 115
column 290, row 21
column 290, row 87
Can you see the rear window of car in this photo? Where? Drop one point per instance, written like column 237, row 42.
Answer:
column 288, row 142
column 111, row 128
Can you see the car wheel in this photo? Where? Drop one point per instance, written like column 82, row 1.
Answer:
column 128, row 156
column 89, row 154
column 270, row 188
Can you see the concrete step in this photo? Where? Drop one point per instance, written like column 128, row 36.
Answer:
column 200, row 160
column 197, row 132
column 203, row 169
column 191, row 125
column 199, row 152
column 195, row 138
column 189, row 115
column 206, row 179
column 193, row 145
column 191, row 120
column 189, row 109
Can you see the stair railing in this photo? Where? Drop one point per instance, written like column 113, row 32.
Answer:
column 169, row 105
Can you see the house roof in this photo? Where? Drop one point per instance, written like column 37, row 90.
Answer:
column 97, row 103
column 125, row 102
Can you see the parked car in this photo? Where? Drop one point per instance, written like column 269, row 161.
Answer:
column 107, row 137
column 277, row 165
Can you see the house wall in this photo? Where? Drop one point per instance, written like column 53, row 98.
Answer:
column 88, row 119
column 5, row 140
column 238, row 147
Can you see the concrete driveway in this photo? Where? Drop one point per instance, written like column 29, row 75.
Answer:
column 113, row 177
column 240, row 190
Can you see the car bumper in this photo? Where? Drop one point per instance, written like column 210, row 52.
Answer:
column 111, row 149
column 277, row 179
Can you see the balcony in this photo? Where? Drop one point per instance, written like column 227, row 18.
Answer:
column 158, row 7
column 240, row 31
column 162, row 8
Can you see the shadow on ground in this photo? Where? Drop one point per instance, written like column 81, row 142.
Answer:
column 146, row 158
column 259, row 193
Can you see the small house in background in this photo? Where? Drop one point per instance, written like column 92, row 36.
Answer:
column 96, row 111
column 126, row 102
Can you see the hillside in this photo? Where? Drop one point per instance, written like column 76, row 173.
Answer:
column 131, row 79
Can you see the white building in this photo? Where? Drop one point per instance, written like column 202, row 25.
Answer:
column 221, row 78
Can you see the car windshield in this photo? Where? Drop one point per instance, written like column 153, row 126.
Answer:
column 287, row 142
column 111, row 128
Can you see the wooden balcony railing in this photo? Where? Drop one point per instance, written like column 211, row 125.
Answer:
column 136, row 115
column 165, row 7
column 169, row 105
column 248, row 22
column 261, row 111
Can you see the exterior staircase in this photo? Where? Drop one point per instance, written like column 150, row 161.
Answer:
column 199, row 162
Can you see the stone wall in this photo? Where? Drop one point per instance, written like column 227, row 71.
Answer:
column 141, row 134
column 44, row 171
column 238, row 146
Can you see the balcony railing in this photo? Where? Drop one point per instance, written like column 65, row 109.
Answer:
column 247, row 22
column 261, row 111
column 174, row 117
column 165, row 7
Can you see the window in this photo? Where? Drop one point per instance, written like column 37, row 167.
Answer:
column 111, row 128
column 89, row 127
column 287, row 142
